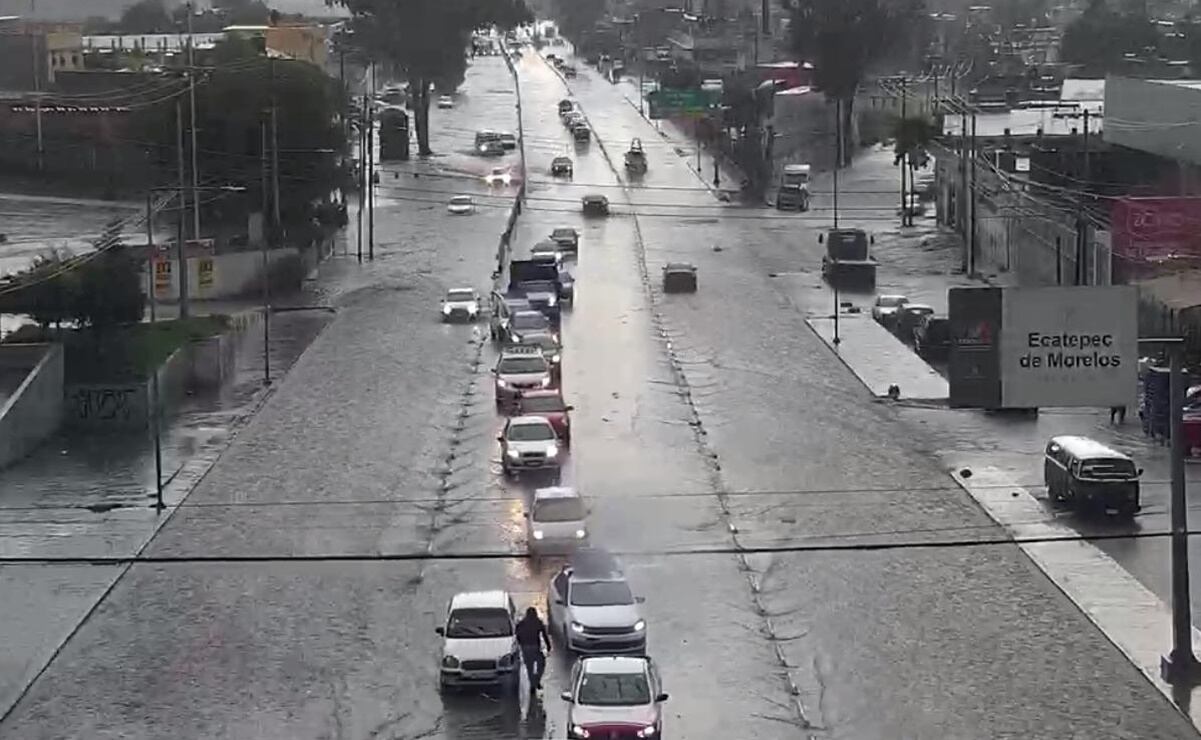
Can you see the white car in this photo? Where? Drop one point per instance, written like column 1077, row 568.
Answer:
column 445, row 101
column 479, row 642
column 499, row 176
column 461, row 304
column 529, row 443
column 557, row 521
column 592, row 609
column 461, row 205
column 886, row 308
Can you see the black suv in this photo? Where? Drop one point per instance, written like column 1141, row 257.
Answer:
column 932, row 337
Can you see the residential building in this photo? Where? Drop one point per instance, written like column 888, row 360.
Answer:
column 304, row 42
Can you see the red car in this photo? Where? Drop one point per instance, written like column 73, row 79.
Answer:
column 548, row 404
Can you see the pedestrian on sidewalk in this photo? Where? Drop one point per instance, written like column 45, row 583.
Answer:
column 531, row 634
column 1119, row 413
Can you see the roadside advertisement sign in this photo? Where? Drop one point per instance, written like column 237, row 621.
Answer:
column 1156, row 228
column 162, row 277
column 1043, row 347
column 204, row 273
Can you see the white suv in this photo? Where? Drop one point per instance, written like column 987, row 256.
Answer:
column 592, row 609
column 479, row 645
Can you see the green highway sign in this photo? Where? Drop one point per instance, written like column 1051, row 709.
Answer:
column 667, row 103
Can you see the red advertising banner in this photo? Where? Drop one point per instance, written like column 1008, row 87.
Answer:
column 1148, row 229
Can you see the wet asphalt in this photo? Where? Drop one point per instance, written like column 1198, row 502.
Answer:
column 706, row 425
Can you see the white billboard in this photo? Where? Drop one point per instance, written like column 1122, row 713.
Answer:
column 1069, row 346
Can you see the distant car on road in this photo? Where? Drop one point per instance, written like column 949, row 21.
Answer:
column 529, row 322
column 499, row 176
column 566, row 106
column 502, row 309
column 566, row 285
column 445, row 101
column 492, row 149
column 595, row 205
column 609, row 692
column 561, row 167
column 569, row 71
column 461, row 205
column 567, row 238
column 679, row 277
column 932, row 337
column 550, row 405
column 592, row 609
column 581, row 133
column 461, row 304
column 908, row 318
column 885, row 309
column 557, row 521
column 547, row 250
column 529, row 443
column 548, row 341
column 508, row 140
column 520, row 369
column 479, row 642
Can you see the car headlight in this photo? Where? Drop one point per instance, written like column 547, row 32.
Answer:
column 502, row 383
column 450, row 661
column 580, row 534
column 513, row 454
column 580, row 731
column 445, row 308
column 552, row 450
column 473, row 308
column 639, row 625
column 507, row 660
column 483, row 148
column 552, row 300
column 554, row 359
column 648, row 731
column 577, row 627
column 539, row 534
column 545, row 382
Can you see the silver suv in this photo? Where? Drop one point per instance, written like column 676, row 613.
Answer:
column 592, row 609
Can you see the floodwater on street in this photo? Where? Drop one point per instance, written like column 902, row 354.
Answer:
column 768, row 509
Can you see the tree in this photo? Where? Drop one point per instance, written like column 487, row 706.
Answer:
column 912, row 136
column 576, row 17
column 1101, row 37
column 232, row 102
column 146, row 16
column 843, row 39
column 426, row 40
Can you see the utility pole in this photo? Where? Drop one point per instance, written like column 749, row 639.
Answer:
column 192, row 111
column 837, row 152
column 362, row 173
column 151, row 262
column 371, row 165
column 181, row 255
column 963, row 205
column 1081, row 225
column 972, row 204
column 904, row 160
column 37, row 98
column 266, row 258
column 275, row 166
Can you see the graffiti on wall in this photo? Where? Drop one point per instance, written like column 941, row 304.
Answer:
column 106, row 404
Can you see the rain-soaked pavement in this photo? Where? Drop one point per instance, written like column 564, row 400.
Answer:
column 742, row 469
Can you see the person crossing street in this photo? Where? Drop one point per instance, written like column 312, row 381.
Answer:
column 531, row 635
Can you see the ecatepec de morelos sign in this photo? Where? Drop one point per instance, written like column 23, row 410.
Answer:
column 1040, row 347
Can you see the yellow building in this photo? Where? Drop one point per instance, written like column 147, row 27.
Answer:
column 299, row 41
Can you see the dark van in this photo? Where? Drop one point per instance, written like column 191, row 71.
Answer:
column 1088, row 476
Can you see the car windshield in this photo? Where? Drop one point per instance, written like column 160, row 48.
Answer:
column 461, row 200
column 538, row 286
column 469, row 623
column 1115, row 468
column 614, row 689
column 460, row 296
column 890, row 301
column 522, row 365
column 530, row 320
column 601, row 593
column 542, row 404
column 559, row 510
column 530, row 433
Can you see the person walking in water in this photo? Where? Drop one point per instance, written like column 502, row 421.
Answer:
column 531, row 635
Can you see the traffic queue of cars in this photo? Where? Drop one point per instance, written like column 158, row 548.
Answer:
column 615, row 690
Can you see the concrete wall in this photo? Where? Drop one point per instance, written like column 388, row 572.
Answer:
column 34, row 410
column 233, row 274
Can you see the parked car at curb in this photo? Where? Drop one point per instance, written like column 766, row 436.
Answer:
column 679, row 277
column 885, row 309
column 932, row 337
